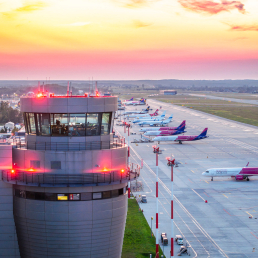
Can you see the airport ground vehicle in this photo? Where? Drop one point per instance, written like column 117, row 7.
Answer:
column 164, row 238
column 183, row 250
column 179, row 239
column 144, row 199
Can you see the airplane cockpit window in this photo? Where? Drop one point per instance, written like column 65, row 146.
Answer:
column 207, row 171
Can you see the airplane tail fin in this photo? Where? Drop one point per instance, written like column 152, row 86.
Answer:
column 171, row 116
column 131, row 99
column 163, row 114
column 148, row 108
column 181, row 126
column 142, row 100
column 204, row 132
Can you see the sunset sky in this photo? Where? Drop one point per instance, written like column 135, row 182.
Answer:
column 128, row 39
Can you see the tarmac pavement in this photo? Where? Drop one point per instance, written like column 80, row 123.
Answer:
column 225, row 226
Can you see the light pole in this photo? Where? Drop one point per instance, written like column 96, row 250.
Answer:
column 128, row 143
column 171, row 163
column 156, row 150
column 151, row 226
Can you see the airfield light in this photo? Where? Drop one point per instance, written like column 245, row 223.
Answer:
column 39, row 95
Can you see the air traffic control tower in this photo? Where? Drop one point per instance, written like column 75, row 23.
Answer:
column 69, row 179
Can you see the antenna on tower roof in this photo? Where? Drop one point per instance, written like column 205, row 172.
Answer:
column 68, row 88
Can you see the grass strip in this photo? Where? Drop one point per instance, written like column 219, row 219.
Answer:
column 239, row 112
column 247, row 115
column 137, row 238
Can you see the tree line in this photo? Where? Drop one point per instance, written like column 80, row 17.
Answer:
column 8, row 114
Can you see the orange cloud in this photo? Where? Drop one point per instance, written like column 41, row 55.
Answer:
column 244, row 27
column 135, row 3
column 211, row 7
column 25, row 8
column 31, row 7
column 138, row 24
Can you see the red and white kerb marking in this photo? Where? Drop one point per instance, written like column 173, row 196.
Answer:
column 172, row 215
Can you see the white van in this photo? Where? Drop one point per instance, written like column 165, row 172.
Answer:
column 179, row 239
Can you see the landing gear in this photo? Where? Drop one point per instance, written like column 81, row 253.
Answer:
column 212, row 178
column 247, row 178
column 158, row 142
column 180, row 142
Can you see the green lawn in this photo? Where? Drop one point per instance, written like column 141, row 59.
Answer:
column 240, row 112
column 137, row 238
column 244, row 114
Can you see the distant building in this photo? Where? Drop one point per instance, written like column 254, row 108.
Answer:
column 170, row 92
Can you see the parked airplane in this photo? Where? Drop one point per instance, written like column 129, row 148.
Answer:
column 158, row 122
column 144, row 115
column 142, row 101
column 156, row 118
column 165, row 132
column 182, row 138
column 145, row 129
column 144, row 111
column 237, row 173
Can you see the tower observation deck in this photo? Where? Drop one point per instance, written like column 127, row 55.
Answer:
column 69, row 178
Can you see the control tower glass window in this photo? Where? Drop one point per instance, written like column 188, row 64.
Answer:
column 59, row 124
column 32, row 123
column 105, row 125
column 77, row 125
column 93, row 122
column 90, row 124
column 43, row 121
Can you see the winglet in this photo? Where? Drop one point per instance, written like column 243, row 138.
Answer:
column 247, row 164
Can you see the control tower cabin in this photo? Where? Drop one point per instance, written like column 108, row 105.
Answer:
column 69, row 179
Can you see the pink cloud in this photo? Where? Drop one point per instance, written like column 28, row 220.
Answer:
column 211, row 7
column 244, row 27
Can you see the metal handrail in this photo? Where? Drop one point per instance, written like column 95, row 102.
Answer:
column 31, row 178
column 64, row 146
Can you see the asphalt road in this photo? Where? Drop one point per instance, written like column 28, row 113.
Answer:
column 226, row 226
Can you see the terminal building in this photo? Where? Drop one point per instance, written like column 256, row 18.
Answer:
column 169, row 92
column 64, row 192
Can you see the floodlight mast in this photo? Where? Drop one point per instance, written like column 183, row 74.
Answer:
column 172, row 163
column 156, row 150
column 128, row 143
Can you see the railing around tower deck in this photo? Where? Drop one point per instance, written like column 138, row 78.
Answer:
column 43, row 179
column 65, row 146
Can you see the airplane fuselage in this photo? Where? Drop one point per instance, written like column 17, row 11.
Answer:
column 238, row 173
column 163, row 132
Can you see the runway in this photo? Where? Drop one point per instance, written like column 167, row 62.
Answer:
column 244, row 101
column 226, row 226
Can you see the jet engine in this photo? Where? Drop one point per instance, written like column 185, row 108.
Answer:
column 240, row 177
